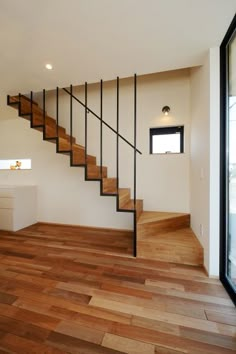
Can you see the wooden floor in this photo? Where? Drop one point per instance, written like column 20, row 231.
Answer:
column 60, row 293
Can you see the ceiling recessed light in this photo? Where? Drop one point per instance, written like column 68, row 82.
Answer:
column 48, row 66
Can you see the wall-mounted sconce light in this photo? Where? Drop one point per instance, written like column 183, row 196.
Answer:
column 166, row 110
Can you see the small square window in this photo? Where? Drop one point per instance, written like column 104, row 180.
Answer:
column 167, row 140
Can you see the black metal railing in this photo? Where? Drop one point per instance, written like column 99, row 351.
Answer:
column 103, row 122
column 118, row 136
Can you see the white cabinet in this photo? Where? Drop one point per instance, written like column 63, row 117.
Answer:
column 18, row 207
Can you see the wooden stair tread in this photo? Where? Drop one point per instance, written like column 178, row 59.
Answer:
column 65, row 144
column 124, row 190
column 155, row 216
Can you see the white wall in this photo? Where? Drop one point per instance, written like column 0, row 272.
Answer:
column 199, row 175
column 164, row 179
column 63, row 195
column 214, row 188
column 204, row 165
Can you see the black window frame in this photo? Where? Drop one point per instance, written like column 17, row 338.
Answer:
column 164, row 131
column 224, row 79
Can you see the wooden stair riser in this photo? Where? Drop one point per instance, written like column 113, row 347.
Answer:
column 52, row 131
column 78, row 158
column 109, row 186
column 139, row 208
column 94, row 172
column 26, row 110
column 166, row 225
column 124, row 196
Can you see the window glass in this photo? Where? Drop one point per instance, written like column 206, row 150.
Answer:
column 15, row 164
column 231, row 165
column 167, row 140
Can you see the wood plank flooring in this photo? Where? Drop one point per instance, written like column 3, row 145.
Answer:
column 60, row 293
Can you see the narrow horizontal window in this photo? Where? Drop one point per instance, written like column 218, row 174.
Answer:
column 167, row 140
column 17, row 164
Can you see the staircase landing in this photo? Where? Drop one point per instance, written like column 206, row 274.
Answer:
column 168, row 237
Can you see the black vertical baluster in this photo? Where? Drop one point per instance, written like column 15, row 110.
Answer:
column 135, row 133
column 71, row 115
column 31, row 108
column 86, row 120
column 101, row 126
column 19, row 98
column 117, row 136
column 44, row 114
column 57, row 111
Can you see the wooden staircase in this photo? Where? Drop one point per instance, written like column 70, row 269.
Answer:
column 152, row 229
column 65, row 144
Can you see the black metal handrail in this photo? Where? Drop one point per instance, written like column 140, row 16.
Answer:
column 103, row 122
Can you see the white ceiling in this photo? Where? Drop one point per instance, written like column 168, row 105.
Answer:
column 87, row 40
